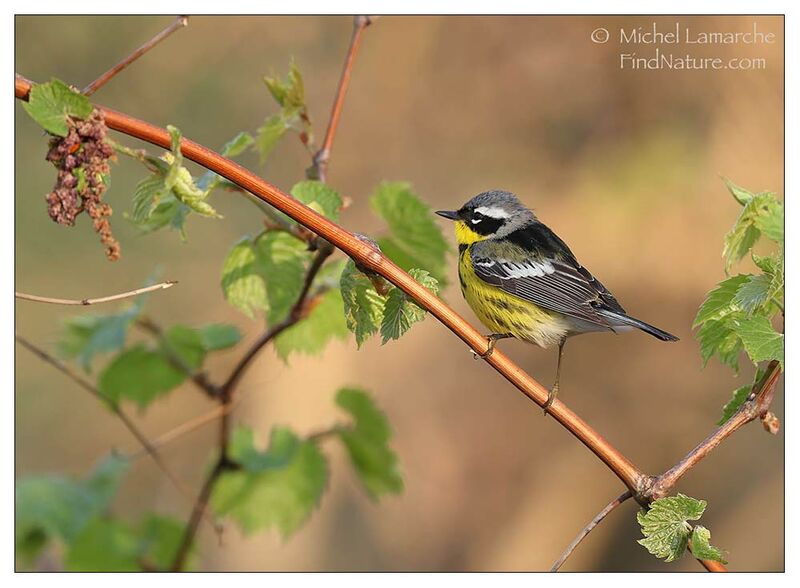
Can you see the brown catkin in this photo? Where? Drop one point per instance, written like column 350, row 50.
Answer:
column 82, row 160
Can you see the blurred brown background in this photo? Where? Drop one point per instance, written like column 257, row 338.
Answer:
column 623, row 164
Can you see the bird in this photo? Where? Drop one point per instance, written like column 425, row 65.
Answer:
column 522, row 281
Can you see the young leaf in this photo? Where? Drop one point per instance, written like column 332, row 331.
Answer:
column 238, row 144
column 50, row 104
column 754, row 293
column 762, row 212
column 104, row 545
column 85, row 336
column 719, row 337
column 268, row 135
column 760, row 339
column 415, row 240
column 140, row 375
column 400, row 311
column 282, row 265
column 242, row 284
column 219, row 336
column 738, row 398
column 741, row 195
column 367, row 443
column 290, row 93
column 363, row 306
column 186, row 343
column 701, row 548
column 278, row 488
column 54, row 507
column 312, row 334
column 158, row 540
column 321, row 197
column 665, row 525
column 720, row 301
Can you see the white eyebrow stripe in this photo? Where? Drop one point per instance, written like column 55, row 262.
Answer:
column 492, row 211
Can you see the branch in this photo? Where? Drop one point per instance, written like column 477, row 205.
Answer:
column 89, row 301
column 363, row 254
column 296, row 314
column 126, row 420
column 374, row 261
column 589, row 527
column 199, row 378
column 319, row 168
column 178, row 23
column 756, row 406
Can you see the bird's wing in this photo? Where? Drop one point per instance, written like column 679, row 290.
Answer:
column 552, row 279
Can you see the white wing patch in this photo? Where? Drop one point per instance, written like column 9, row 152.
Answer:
column 513, row 269
column 493, row 212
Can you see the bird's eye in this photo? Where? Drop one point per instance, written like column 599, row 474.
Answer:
column 476, row 218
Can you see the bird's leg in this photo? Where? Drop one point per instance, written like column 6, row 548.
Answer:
column 492, row 339
column 554, row 390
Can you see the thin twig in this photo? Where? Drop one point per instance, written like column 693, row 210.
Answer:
column 366, row 256
column 89, row 301
column 126, row 420
column 178, row 23
column 184, row 428
column 297, row 313
column 589, row 527
column 198, row 512
column 319, row 168
column 756, row 406
column 199, row 378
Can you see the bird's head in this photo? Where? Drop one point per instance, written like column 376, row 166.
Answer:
column 489, row 215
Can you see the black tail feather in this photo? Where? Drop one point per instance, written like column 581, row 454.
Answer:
column 625, row 320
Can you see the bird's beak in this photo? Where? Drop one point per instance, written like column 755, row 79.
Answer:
column 451, row 214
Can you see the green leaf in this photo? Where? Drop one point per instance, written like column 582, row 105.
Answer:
column 665, row 525
column 219, row 336
column 363, row 306
column 739, row 396
column 279, row 488
column 268, row 135
column 772, row 266
column 770, row 219
column 312, row 334
column 321, row 197
column 762, row 213
column 367, row 443
column 282, row 265
column 158, row 540
column 401, row 311
column 761, row 341
column 140, row 375
column 290, row 93
column 105, row 545
column 719, row 302
column 238, row 144
column 718, row 337
column 147, row 195
column 754, row 293
column 242, row 285
column 186, row 343
column 84, row 336
column 50, row 104
column 701, row 546
column 109, row 545
column 415, row 239
column 55, row 507
column 741, row 195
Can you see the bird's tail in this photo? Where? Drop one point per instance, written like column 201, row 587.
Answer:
column 617, row 319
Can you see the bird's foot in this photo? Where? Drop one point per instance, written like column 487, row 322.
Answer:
column 550, row 399
column 492, row 340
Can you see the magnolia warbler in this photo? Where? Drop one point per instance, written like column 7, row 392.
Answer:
column 524, row 282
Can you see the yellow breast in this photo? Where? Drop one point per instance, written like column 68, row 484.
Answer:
column 501, row 312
